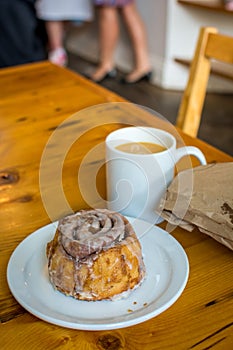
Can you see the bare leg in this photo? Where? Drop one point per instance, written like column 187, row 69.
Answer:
column 55, row 31
column 57, row 53
column 108, row 36
column 138, row 36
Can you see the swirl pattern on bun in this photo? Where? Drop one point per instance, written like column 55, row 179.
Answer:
column 95, row 255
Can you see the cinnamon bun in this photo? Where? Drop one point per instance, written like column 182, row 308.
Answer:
column 95, row 255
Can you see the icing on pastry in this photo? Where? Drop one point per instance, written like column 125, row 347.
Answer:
column 95, row 255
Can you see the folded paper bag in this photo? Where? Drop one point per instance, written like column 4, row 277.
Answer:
column 202, row 197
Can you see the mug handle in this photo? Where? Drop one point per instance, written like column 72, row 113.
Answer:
column 190, row 150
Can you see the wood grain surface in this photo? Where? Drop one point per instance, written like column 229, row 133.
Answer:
column 53, row 123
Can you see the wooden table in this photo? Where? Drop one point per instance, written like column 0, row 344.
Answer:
column 48, row 136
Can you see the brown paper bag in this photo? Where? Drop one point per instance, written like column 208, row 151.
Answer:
column 202, row 197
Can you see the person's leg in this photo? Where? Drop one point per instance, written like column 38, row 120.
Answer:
column 137, row 34
column 108, row 36
column 55, row 32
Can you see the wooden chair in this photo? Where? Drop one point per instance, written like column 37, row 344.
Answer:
column 211, row 45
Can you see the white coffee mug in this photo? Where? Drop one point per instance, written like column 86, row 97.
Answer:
column 136, row 182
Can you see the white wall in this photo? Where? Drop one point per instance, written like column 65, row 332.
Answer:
column 172, row 32
column 182, row 32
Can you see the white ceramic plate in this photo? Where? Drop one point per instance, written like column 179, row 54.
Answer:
column 167, row 273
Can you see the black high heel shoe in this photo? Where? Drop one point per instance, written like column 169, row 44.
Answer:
column 110, row 74
column 145, row 77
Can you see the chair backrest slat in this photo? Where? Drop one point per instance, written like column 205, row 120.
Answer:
column 210, row 45
column 220, row 47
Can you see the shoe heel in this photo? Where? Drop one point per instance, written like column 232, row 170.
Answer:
column 148, row 76
column 112, row 73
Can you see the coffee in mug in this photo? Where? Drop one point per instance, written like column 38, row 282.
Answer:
column 136, row 181
column 141, row 147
